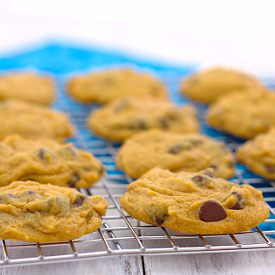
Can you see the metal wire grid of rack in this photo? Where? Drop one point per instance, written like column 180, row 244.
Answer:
column 122, row 235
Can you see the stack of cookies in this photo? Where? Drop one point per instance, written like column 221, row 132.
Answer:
column 180, row 173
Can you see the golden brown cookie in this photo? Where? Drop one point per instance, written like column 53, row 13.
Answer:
column 196, row 203
column 208, row 85
column 176, row 152
column 47, row 161
column 258, row 154
column 125, row 117
column 108, row 85
column 33, row 121
column 28, row 87
column 243, row 115
column 35, row 212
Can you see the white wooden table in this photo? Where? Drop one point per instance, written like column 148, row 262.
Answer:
column 236, row 33
column 247, row 263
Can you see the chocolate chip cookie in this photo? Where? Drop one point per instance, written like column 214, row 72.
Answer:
column 197, row 203
column 176, row 152
column 128, row 116
column 258, row 154
column 47, row 161
column 35, row 212
column 28, row 87
column 208, row 85
column 33, row 121
column 108, row 85
column 243, row 115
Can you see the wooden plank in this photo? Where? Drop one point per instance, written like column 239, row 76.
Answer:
column 243, row 263
column 110, row 266
column 230, row 263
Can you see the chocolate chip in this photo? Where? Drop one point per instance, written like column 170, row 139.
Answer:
column 158, row 214
column 213, row 166
column 173, row 115
column 159, row 220
column 138, row 125
column 237, row 206
column 74, row 179
column 211, row 211
column 41, row 153
column 209, row 173
column 195, row 142
column 240, row 204
column 31, row 193
column 198, row 179
column 164, row 123
column 270, row 168
column 170, row 116
column 45, row 154
column 175, row 149
column 187, row 145
column 79, row 201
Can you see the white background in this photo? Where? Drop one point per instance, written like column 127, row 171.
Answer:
column 239, row 33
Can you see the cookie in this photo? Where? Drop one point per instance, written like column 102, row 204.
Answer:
column 33, row 121
column 35, row 212
column 258, row 154
column 197, row 203
column 243, row 115
column 47, row 161
column 209, row 85
column 125, row 117
column 176, row 152
column 105, row 86
column 28, row 87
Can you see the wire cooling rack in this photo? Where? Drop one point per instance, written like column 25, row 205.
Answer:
column 122, row 235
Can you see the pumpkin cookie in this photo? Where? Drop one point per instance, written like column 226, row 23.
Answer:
column 33, row 121
column 47, row 161
column 207, row 86
column 176, row 152
column 108, row 85
column 259, row 154
column 35, row 212
column 124, row 118
column 28, row 87
column 243, row 115
column 197, row 203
